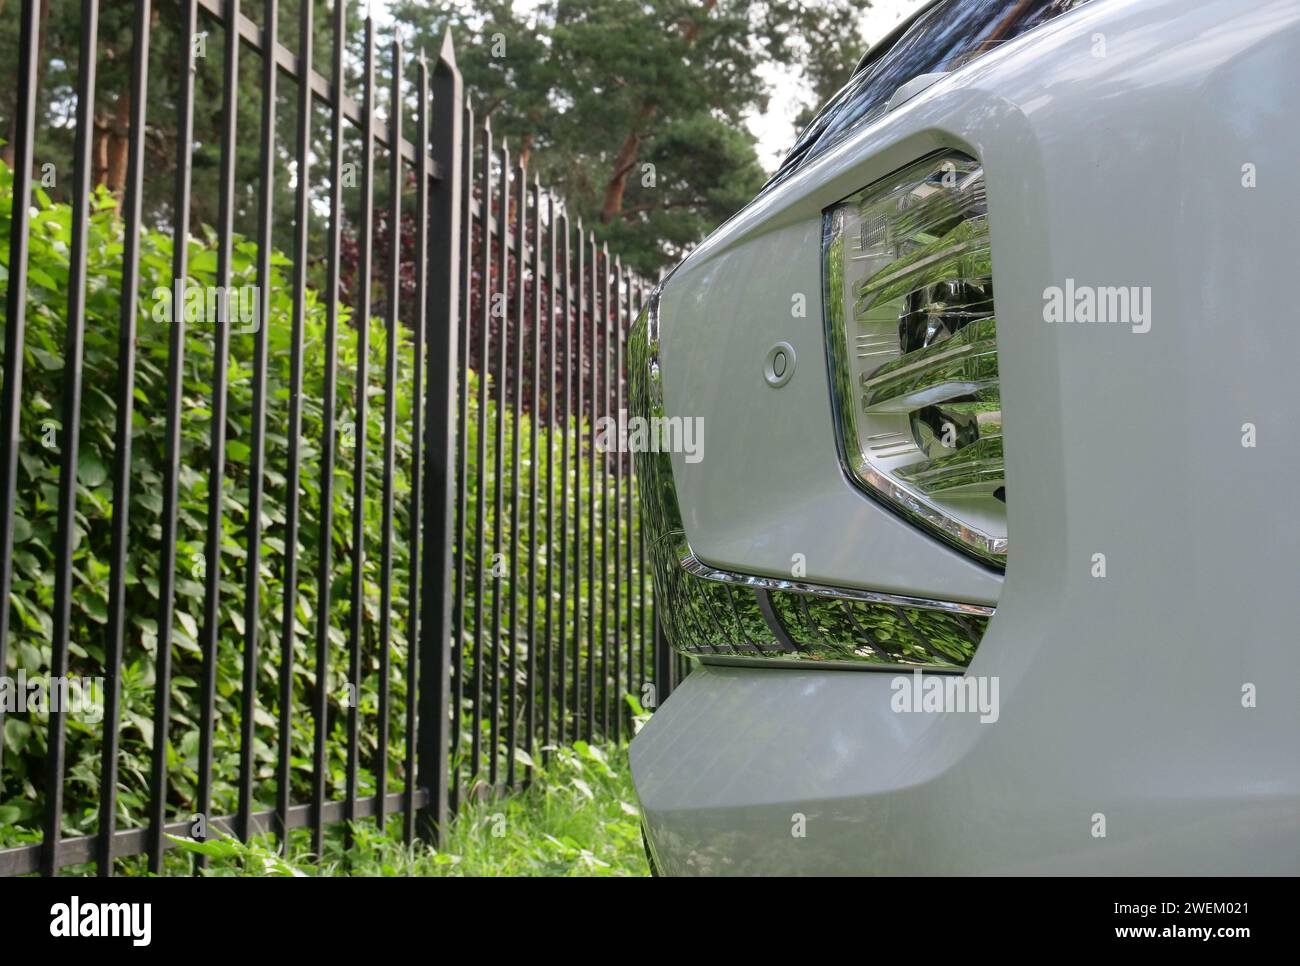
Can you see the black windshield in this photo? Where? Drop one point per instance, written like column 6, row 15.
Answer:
column 942, row 36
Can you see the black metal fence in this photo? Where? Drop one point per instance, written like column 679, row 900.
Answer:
column 509, row 608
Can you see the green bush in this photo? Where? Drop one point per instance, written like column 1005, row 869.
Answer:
column 38, row 473
column 24, row 776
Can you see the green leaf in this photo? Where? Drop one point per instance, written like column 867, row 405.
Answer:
column 91, row 470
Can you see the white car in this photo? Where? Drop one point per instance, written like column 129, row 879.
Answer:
column 987, row 551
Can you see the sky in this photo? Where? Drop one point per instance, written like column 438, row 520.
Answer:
column 773, row 128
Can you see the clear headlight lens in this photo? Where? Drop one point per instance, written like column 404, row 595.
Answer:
column 913, row 349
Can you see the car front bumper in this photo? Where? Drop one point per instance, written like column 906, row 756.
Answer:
column 1124, row 740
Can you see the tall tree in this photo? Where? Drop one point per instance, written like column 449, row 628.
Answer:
column 634, row 109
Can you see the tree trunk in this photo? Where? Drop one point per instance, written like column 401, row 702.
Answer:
column 624, row 164
column 625, row 161
column 112, row 146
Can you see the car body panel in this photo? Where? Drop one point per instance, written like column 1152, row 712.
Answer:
column 737, row 763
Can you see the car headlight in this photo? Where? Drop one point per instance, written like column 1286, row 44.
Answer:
column 912, row 344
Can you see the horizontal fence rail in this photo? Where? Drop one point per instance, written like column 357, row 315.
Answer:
column 362, row 554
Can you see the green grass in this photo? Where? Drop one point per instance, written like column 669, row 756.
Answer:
column 577, row 818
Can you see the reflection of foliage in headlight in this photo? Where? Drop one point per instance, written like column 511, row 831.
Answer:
column 912, row 339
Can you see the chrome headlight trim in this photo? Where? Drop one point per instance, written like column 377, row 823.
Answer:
column 695, row 566
column 722, row 615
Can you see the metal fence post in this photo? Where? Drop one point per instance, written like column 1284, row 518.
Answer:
column 440, row 449
column 583, row 302
column 11, row 396
column 664, row 664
